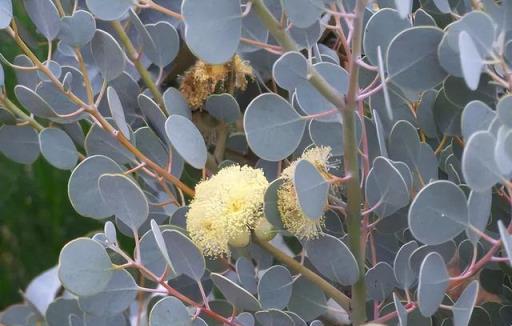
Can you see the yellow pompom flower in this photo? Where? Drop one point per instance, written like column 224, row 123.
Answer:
column 293, row 218
column 226, row 208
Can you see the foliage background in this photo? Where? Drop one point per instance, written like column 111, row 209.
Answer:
column 36, row 218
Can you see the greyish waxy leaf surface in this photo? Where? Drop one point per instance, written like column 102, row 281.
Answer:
column 187, row 140
column 169, row 311
column 58, row 148
column 125, row 198
column 312, row 189
column 438, row 213
column 339, row 266
column 433, row 282
column 84, row 267
column 208, row 24
column 267, row 118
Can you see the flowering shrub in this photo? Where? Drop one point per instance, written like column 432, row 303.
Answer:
column 274, row 162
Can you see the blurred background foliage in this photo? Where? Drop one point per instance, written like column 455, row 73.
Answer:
column 36, row 218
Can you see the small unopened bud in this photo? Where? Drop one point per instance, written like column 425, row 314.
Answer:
column 240, row 240
column 264, row 231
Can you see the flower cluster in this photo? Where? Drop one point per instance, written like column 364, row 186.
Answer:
column 226, row 208
column 203, row 79
column 292, row 216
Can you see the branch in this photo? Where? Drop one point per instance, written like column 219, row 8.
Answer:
column 132, row 54
column 294, row 265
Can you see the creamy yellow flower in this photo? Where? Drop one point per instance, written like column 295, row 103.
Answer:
column 225, row 208
column 292, row 216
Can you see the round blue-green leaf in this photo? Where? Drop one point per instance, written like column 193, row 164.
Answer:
column 404, row 274
column 78, row 29
column 19, row 144
column 117, row 111
column 42, row 289
column 476, row 116
column 59, row 311
column 83, row 189
column 268, row 118
column 270, row 208
column 312, row 189
column 482, row 29
column 223, row 107
column 245, row 319
column 186, row 258
column 433, row 282
column 404, row 7
column 167, row 42
column 125, row 198
column 175, row 103
column 503, row 150
column 274, row 317
column 58, row 148
column 151, row 257
column 290, row 70
column 187, row 140
column 235, row 294
column 169, row 311
column 84, row 267
column 381, row 28
column 412, row 59
column 7, row 117
column 380, row 281
column 438, row 213
column 33, row 102
column 386, row 188
column 246, row 274
column 116, row 297
column 110, row 232
column 478, row 163
column 210, row 23
column 275, row 287
column 101, row 142
column 108, row 55
column 507, row 240
column 401, row 311
column 327, row 134
column 45, row 16
column 153, row 114
column 160, row 242
column 297, row 319
column 504, row 111
column 18, row 314
column 111, row 10
column 463, row 308
column 303, row 13
column 479, row 211
column 5, row 13
column 443, row 6
column 339, row 266
column 422, row 18
column 470, row 60
column 308, row 301
column 312, row 101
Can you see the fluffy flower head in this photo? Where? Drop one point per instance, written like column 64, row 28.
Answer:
column 293, row 218
column 226, row 206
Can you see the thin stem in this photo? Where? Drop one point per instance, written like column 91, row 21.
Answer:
column 354, row 197
column 132, row 54
column 220, row 144
column 349, row 130
column 294, row 265
column 19, row 113
column 85, row 75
